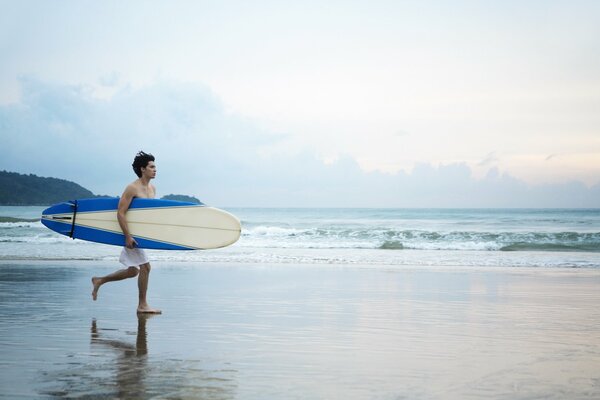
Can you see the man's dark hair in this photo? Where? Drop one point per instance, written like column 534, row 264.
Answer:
column 140, row 161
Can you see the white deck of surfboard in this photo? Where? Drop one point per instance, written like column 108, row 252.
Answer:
column 197, row 227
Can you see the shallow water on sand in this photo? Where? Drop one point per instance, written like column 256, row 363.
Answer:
column 272, row 332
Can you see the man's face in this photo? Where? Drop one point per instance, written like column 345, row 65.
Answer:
column 150, row 170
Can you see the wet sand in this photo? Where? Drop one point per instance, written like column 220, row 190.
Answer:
column 295, row 332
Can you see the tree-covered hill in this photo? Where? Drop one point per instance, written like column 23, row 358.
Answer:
column 32, row 190
column 181, row 197
column 26, row 190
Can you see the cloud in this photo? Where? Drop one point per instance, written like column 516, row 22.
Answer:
column 489, row 159
column 68, row 131
column 64, row 130
column 401, row 133
column 109, row 80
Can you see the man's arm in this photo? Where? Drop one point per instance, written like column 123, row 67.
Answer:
column 124, row 204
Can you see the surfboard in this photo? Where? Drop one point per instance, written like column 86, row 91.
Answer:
column 154, row 223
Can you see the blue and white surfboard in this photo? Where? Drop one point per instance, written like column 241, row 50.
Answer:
column 154, row 223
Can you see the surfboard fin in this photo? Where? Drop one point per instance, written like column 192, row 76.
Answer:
column 74, row 205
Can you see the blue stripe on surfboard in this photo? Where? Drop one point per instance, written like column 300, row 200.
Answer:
column 107, row 237
column 151, row 203
column 112, row 203
column 60, row 208
column 117, row 239
column 59, row 227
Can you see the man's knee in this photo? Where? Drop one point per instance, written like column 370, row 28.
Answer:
column 132, row 271
column 145, row 267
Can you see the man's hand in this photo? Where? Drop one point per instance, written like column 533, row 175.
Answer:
column 130, row 242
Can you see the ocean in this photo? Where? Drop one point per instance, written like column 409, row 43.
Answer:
column 392, row 237
column 313, row 303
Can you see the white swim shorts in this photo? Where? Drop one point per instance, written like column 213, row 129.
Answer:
column 133, row 257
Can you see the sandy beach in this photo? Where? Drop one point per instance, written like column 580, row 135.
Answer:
column 238, row 331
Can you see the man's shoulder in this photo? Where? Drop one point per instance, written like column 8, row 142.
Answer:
column 132, row 188
column 136, row 189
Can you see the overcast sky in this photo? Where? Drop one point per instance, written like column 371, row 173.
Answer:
column 275, row 103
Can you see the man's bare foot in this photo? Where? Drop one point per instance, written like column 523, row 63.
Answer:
column 96, row 282
column 147, row 310
column 145, row 316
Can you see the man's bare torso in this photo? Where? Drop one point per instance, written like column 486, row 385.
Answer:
column 138, row 189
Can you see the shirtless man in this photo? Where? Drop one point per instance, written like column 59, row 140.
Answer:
column 133, row 257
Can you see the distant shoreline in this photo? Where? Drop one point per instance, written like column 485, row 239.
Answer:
column 32, row 190
column 22, row 190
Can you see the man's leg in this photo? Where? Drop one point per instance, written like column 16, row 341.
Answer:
column 119, row 275
column 143, row 288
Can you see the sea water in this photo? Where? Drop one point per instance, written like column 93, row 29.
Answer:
column 313, row 303
column 395, row 237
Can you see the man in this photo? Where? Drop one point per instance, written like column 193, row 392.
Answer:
column 133, row 257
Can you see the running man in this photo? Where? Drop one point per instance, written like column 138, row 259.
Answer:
column 132, row 257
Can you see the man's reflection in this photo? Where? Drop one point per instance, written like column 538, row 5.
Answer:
column 131, row 360
column 137, row 378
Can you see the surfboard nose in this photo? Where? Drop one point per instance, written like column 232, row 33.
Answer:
column 59, row 218
column 58, row 224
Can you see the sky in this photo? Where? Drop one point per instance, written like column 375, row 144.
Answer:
column 291, row 104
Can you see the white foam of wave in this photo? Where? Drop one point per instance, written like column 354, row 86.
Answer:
column 13, row 225
column 377, row 242
column 273, row 231
column 358, row 257
column 381, row 257
column 41, row 239
column 471, row 246
column 390, row 239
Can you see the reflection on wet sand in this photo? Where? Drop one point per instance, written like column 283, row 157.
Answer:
column 319, row 332
column 125, row 370
column 130, row 359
